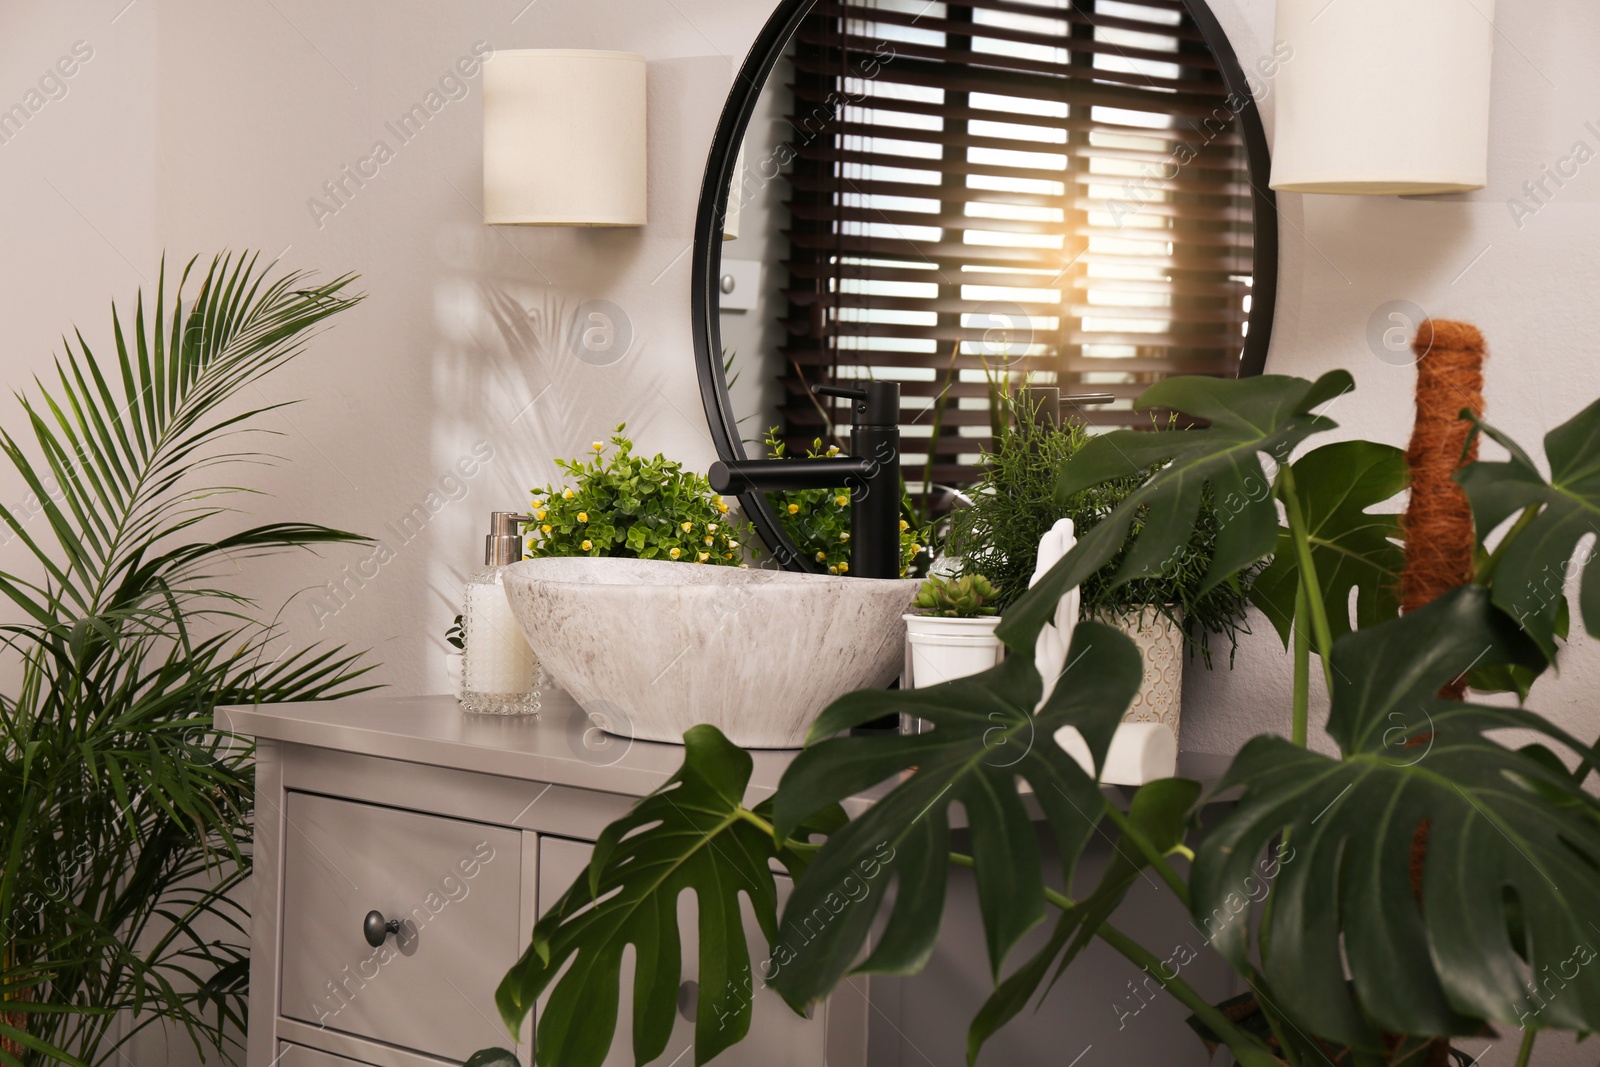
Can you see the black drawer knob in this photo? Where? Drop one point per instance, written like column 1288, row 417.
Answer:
column 375, row 929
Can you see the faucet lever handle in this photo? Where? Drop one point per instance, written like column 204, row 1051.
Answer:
column 876, row 403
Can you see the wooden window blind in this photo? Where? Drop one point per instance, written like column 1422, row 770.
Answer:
column 1006, row 187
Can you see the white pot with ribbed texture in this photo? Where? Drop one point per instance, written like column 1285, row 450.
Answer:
column 1160, row 642
column 941, row 649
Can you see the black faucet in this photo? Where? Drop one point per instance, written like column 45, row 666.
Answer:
column 872, row 475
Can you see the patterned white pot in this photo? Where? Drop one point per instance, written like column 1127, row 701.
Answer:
column 1160, row 643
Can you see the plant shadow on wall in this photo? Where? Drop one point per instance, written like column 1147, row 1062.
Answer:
column 1427, row 882
column 124, row 812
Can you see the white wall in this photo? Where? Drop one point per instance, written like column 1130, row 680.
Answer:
column 199, row 126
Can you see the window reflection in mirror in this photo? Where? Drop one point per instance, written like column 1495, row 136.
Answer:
column 967, row 196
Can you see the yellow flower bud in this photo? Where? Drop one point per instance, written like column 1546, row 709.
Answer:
column 794, row 509
column 583, row 516
column 904, row 526
column 598, row 447
column 727, row 555
column 732, row 543
column 587, row 545
column 675, row 553
column 833, row 450
column 567, row 494
column 704, row 556
column 844, row 535
column 546, row 528
column 822, row 557
column 843, row 567
column 722, row 506
column 711, row 527
column 841, row 500
column 711, row 540
column 915, row 548
column 540, row 514
column 833, row 570
column 538, row 503
column 688, row 526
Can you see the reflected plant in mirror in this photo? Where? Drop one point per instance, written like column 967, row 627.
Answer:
column 818, row 520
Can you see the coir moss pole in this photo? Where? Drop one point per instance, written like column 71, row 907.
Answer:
column 1438, row 522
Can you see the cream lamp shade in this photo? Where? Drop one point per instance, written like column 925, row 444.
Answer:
column 1382, row 96
column 564, row 138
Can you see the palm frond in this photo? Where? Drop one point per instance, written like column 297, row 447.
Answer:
column 124, row 813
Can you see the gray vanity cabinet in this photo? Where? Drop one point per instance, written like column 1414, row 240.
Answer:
column 452, row 885
column 459, row 830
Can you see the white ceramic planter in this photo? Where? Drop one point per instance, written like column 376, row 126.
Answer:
column 942, row 650
column 1160, row 644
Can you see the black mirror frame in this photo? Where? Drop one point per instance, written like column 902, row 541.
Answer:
column 707, row 262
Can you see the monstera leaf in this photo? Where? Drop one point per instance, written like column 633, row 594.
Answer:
column 984, row 738
column 700, row 839
column 1418, row 878
column 1270, row 414
column 1529, row 580
column 1159, row 814
column 1352, row 549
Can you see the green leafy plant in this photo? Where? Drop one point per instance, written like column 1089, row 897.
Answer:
column 640, row 508
column 818, row 520
column 124, row 811
column 967, row 597
column 456, row 635
column 1015, row 504
column 1417, row 885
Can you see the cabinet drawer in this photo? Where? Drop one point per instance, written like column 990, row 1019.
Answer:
column 778, row 1037
column 454, row 887
column 299, row 1056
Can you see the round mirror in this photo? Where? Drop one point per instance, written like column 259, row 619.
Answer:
column 967, row 199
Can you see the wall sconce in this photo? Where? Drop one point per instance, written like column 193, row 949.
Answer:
column 564, row 138
column 1383, row 97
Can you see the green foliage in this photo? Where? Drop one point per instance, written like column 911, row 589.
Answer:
column 966, row 597
column 1270, row 414
column 1016, row 504
column 1157, row 816
column 1531, row 572
column 1505, row 833
column 818, row 520
column 124, row 811
column 1426, row 881
column 493, row 1057
column 633, row 507
column 704, row 840
column 456, row 636
column 985, row 737
column 1354, row 550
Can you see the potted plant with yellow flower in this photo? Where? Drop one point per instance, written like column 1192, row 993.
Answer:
column 625, row 505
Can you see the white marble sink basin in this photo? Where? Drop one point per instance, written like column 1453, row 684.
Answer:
column 651, row 648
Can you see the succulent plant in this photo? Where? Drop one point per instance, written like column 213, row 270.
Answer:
column 966, row 597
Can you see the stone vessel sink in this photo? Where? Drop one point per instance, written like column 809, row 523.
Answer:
column 651, row 648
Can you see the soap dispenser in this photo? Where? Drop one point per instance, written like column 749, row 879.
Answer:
column 500, row 675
